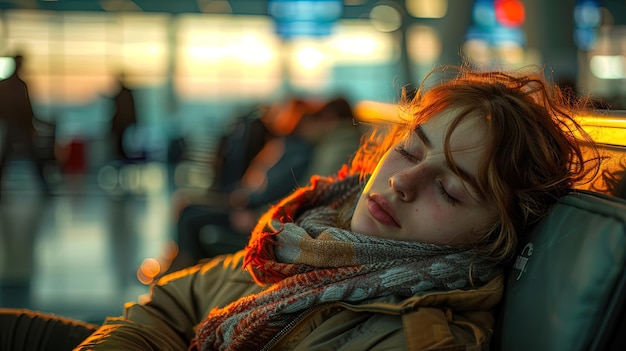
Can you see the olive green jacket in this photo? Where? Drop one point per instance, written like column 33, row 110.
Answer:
column 454, row 320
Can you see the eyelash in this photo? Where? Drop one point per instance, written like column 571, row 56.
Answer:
column 442, row 189
column 445, row 194
column 410, row 157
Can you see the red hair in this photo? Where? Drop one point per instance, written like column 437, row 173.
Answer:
column 534, row 153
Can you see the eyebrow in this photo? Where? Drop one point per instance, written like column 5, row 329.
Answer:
column 423, row 137
column 465, row 175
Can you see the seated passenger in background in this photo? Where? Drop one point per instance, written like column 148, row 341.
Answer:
column 309, row 138
column 404, row 250
column 238, row 146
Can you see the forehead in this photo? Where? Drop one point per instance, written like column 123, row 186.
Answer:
column 470, row 134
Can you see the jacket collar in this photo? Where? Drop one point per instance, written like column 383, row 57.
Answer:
column 483, row 298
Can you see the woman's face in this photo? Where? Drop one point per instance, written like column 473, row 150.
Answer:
column 414, row 195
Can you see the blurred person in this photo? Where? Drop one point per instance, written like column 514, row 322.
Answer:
column 406, row 249
column 17, row 132
column 275, row 171
column 239, row 144
column 124, row 117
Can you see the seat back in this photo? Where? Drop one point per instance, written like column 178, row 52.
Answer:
column 567, row 288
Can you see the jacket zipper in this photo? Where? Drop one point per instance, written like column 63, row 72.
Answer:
column 309, row 311
column 356, row 308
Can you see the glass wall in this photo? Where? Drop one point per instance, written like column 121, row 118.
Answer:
column 190, row 72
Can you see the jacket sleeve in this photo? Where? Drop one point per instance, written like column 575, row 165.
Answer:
column 178, row 302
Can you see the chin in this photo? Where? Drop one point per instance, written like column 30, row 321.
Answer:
column 361, row 228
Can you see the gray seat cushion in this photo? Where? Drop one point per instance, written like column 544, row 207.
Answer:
column 566, row 289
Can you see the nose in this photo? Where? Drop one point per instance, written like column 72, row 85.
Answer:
column 405, row 183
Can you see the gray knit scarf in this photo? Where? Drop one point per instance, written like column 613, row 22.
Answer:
column 305, row 260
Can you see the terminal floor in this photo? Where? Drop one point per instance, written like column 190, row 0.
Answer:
column 78, row 252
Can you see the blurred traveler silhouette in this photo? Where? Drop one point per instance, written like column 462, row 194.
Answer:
column 124, row 116
column 283, row 161
column 238, row 146
column 16, row 119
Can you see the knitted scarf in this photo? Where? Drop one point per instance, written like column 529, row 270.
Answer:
column 298, row 251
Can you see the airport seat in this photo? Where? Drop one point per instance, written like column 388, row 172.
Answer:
column 567, row 288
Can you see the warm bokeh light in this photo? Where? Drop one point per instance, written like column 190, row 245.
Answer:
column 70, row 57
column 357, row 42
column 245, row 48
column 218, row 56
column 510, row 53
column 425, row 46
column 477, row 51
column 148, row 270
column 152, row 268
column 510, row 13
column 308, row 64
column 385, row 18
column 194, row 59
column 427, row 8
column 309, row 58
column 605, row 127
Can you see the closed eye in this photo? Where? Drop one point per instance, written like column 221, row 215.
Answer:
column 442, row 190
column 410, row 157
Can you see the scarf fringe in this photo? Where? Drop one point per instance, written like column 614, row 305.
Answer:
column 260, row 249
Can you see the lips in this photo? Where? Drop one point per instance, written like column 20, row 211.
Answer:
column 380, row 209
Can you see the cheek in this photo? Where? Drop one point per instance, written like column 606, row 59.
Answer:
column 471, row 226
column 444, row 222
column 429, row 206
column 427, row 213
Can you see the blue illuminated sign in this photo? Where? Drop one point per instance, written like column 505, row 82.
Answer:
column 297, row 18
column 587, row 19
